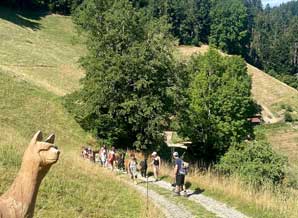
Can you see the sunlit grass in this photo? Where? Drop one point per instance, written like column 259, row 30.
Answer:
column 41, row 48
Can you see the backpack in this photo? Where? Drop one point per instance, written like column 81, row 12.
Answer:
column 185, row 166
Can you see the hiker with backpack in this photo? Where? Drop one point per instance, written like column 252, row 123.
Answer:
column 179, row 174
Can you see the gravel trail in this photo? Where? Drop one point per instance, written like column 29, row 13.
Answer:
column 170, row 209
column 218, row 208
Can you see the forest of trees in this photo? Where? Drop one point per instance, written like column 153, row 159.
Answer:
column 266, row 37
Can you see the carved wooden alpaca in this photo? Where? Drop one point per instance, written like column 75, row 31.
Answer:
column 19, row 200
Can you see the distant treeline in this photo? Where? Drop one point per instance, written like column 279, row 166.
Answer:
column 266, row 37
column 57, row 6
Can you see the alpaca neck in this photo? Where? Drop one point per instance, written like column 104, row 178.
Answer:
column 23, row 191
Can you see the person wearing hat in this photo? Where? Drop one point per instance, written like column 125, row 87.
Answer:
column 179, row 173
column 156, row 164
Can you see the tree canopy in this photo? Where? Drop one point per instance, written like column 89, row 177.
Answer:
column 124, row 98
column 219, row 104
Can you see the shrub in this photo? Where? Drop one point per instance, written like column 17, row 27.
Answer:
column 288, row 117
column 289, row 108
column 255, row 163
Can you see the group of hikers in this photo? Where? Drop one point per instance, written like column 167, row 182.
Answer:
column 128, row 162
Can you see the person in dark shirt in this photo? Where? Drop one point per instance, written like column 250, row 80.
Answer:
column 143, row 167
column 179, row 173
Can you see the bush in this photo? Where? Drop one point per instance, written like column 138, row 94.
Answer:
column 288, row 117
column 255, row 163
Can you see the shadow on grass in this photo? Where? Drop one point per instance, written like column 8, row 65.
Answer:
column 150, row 174
column 197, row 191
column 144, row 182
column 23, row 19
column 163, row 177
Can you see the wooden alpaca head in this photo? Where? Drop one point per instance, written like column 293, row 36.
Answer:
column 19, row 200
column 41, row 153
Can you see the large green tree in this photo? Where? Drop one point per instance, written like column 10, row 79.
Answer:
column 219, row 104
column 125, row 96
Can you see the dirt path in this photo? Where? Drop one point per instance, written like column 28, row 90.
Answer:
column 170, row 209
column 218, row 208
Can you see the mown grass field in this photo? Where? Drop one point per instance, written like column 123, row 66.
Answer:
column 41, row 48
column 38, row 63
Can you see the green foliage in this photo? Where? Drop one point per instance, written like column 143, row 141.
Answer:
column 63, row 6
column 273, row 41
column 219, row 104
column 229, row 26
column 288, row 117
column 129, row 69
column 189, row 19
column 59, row 6
column 256, row 163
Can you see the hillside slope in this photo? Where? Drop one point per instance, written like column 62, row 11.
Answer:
column 40, row 48
column 37, row 64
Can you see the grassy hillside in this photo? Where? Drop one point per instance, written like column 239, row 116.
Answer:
column 40, row 48
column 70, row 190
column 37, row 64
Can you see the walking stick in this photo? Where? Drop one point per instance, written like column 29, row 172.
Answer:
column 147, row 195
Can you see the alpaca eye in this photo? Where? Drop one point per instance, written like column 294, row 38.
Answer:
column 54, row 149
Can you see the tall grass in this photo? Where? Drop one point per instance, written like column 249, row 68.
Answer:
column 266, row 202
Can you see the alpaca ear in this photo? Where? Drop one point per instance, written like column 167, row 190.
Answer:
column 51, row 139
column 37, row 137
